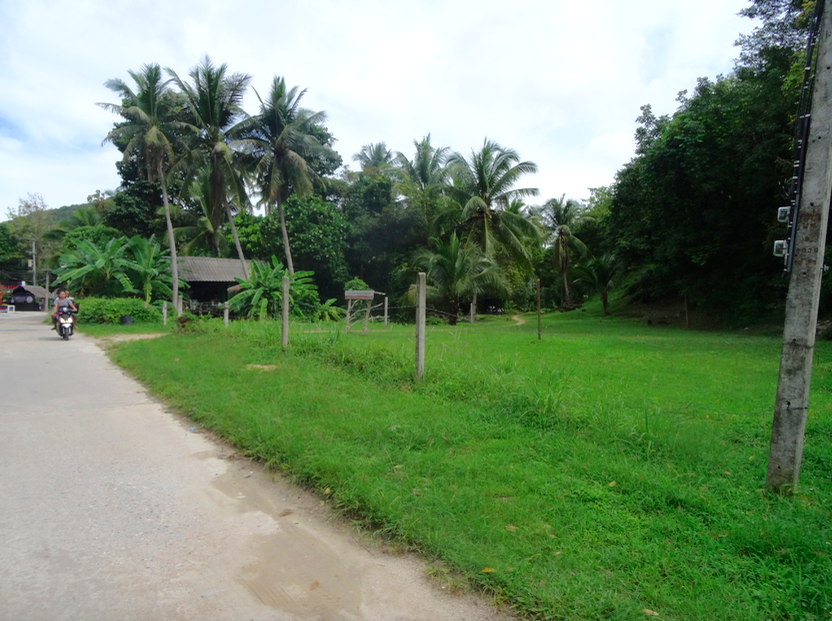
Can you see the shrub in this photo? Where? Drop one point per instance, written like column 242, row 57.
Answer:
column 104, row 310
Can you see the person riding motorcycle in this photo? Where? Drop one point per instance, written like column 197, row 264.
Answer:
column 60, row 303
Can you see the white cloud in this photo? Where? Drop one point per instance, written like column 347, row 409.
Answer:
column 561, row 82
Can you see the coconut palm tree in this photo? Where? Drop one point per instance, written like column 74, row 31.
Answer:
column 458, row 271
column 374, row 158
column 599, row 273
column 203, row 228
column 423, row 183
column 149, row 132
column 212, row 104
column 427, row 169
column 558, row 216
column 279, row 142
column 484, row 185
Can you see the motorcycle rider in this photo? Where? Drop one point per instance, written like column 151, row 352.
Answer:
column 60, row 303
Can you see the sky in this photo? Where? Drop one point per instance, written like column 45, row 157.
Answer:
column 560, row 82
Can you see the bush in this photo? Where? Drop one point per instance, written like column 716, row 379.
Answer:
column 103, row 310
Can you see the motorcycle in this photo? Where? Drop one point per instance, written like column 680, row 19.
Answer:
column 66, row 323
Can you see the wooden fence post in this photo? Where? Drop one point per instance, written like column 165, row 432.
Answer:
column 165, row 313
column 284, row 331
column 225, row 314
column 421, row 303
column 386, row 319
column 538, row 309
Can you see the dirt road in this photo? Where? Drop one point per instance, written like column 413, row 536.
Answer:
column 113, row 509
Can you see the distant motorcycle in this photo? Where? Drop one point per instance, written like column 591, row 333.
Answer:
column 66, row 323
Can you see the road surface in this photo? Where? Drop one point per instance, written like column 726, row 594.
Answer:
column 113, row 509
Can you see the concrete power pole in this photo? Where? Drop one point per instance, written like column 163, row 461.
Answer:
column 789, row 424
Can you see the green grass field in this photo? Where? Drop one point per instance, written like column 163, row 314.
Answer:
column 607, row 470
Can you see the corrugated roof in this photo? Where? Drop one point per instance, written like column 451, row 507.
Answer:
column 38, row 292
column 208, row 269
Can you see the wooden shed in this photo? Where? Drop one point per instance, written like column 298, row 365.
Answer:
column 30, row 298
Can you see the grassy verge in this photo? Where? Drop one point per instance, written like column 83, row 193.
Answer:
column 99, row 330
column 608, row 470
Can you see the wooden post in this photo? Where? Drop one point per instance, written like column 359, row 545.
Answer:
column 421, row 304
column 349, row 315
column 367, row 316
column 386, row 319
column 538, row 310
column 225, row 314
column 789, row 423
column 284, row 331
column 165, row 313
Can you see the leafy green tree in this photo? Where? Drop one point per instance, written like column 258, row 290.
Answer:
column 135, row 207
column 11, row 250
column 212, row 104
column 484, row 185
column 31, row 223
column 98, row 234
column 458, row 271
column 148, row 132
column 279, row 141
column 261, row 294
column 692, row 213
column 94, row 270
column 318, row 234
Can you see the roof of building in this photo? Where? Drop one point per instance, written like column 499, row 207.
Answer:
column 209, row 269
column 38, row 292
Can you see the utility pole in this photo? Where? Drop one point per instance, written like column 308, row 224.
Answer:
column 34, row 265
column 807, row 251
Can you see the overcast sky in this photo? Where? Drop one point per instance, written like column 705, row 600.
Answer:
column 560, row 82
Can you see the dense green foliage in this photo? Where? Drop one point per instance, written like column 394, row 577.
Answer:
column 111, row 310
column 691, row 216
column 607, row 469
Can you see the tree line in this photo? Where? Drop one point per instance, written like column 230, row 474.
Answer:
column 691, row 215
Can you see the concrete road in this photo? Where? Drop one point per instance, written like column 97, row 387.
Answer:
column 113, row 509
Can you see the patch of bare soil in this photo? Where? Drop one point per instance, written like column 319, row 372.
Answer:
column 518, row 319
column 120, row 338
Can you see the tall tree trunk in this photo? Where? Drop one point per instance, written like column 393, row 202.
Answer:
column 236, row 238
column 174, row 267
column 280, row 213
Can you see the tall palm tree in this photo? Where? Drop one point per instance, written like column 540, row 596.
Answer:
column 280, row 141
column 599, row 273
column 149, row 131
column 212, row 102
column 427, row 169
column 374, row 158
column 559, row 216
column 484, row 185
column 457, row 271
column 203, row 228
column 423, row 183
